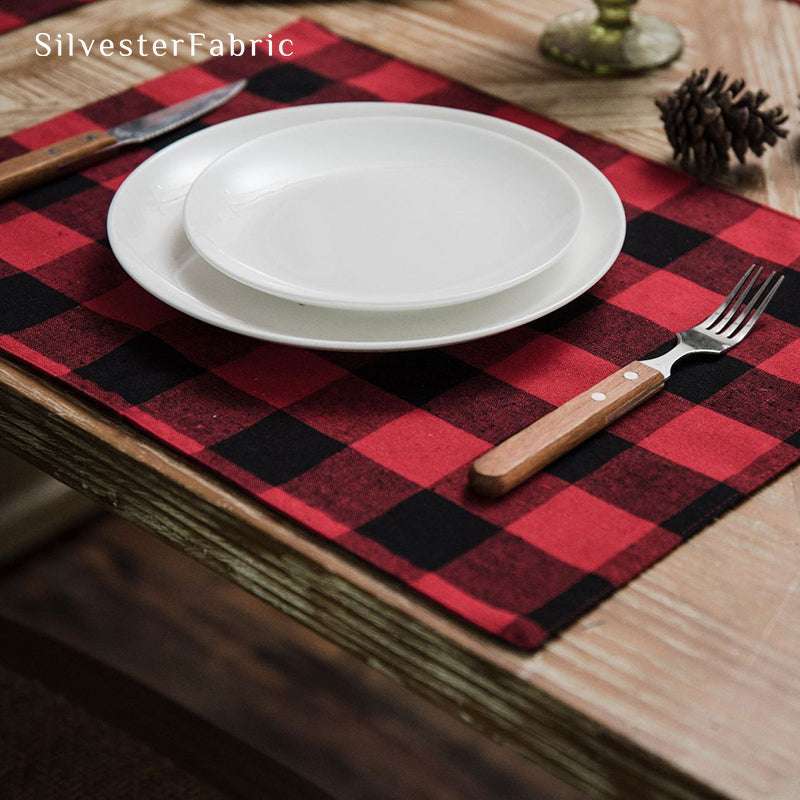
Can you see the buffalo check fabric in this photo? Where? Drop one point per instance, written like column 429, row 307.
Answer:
column 371, row 451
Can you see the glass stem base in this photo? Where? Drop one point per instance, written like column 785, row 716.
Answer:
column 579, row 39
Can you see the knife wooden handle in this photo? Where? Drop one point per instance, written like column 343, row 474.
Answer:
column 520, row 456
column 47, row 163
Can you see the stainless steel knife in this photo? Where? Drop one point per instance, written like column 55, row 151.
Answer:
column 68, row 155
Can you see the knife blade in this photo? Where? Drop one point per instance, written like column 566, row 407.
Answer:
column 68, row 155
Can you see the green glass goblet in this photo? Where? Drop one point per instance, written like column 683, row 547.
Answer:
column 612, row 39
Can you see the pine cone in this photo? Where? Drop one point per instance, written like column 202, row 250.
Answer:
column 704, row 122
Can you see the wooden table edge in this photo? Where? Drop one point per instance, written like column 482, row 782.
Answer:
column 352, row 605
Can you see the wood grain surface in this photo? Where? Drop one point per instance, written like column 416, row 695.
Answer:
column 126, row 599
column 34, row 508
column 685, row 683
column 116, row 733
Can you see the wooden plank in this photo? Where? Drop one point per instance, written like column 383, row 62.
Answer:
column 128, row 600
column 235, row 770
column 683, row 684
column 34, row 508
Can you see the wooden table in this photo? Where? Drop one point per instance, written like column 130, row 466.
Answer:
column 685, row 683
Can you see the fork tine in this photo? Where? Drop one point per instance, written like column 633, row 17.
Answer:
column 720, row 309
column 720, row 324
column 730, row 330
column 740, row 334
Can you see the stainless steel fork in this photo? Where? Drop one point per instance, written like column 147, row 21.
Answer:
column 534, row 447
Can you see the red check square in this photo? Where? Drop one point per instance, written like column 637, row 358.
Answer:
column 9, row 21
column 32, row 240
column 766, row 234
column 645, row 184
column 668, row 300
column 709, row 443
column 420, row 447
column 280, row 375
column 551, row 369
column 399, row 82
column 785, row 363
column 580, row 529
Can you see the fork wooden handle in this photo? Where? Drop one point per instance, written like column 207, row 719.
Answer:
column 46, row 163
column 525, row 453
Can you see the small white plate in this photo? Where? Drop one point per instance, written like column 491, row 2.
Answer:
column 382, row 213
column 145, row 228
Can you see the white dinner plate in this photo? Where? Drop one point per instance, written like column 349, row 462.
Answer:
column 382, row 212
column 145, row 228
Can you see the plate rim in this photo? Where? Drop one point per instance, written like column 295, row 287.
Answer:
column 178, row 298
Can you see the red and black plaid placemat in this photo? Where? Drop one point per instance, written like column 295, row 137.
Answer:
column 372, row 450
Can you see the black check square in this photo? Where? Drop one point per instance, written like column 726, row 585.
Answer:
column 785, row 302
column 417, row 376
column 286, row 83
column 24, row 301
column 428, row 530
column 566, row 314
column 561, row 609
column 54, row 191
column 278, row 448
column 659, row 241
column 588, row 456
column 140, row 369
column 700, row 377
column 170, row 137
column 697, row 515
